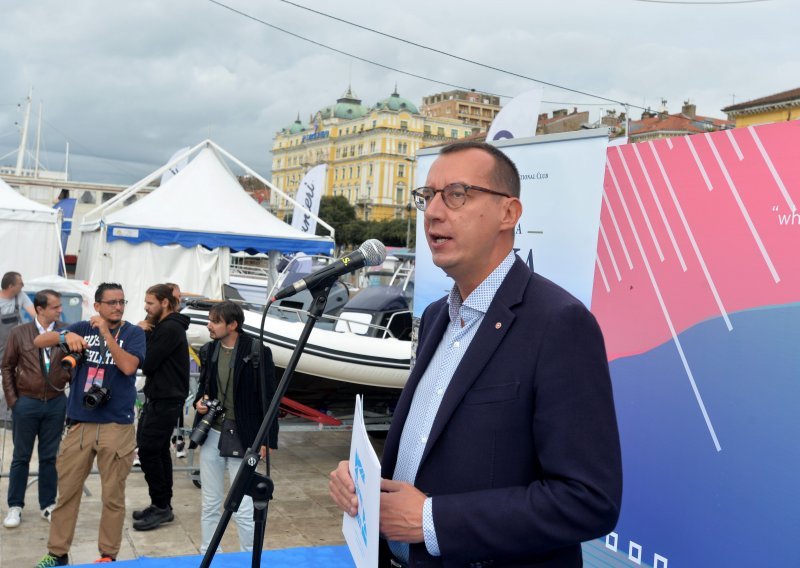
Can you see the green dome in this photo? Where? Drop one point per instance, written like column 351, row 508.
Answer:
column 346, row 107
column 398, row 103
column 296, row 127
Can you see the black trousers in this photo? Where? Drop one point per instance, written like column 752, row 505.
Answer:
column 156, row 424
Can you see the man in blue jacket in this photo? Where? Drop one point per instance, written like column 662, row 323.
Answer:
column 503, row 449
column 100, row 412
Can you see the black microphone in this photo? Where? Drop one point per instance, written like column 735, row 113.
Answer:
column 370, row 253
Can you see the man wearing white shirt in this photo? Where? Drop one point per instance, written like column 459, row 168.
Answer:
column 33, row 383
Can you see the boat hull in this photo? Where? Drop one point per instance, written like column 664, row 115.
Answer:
column 339, row 356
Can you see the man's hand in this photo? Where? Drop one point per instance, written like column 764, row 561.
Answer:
column 75, row 342
column 100, row 324
column 200, row 405
column 401, row 511
column 342, row 489
column 146, row 325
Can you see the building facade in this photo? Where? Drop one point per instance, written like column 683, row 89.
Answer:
column 773, row 108
column 655, row 125
column 471, row 107
column 370, row 153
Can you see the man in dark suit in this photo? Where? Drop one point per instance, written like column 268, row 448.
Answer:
column 504, row 448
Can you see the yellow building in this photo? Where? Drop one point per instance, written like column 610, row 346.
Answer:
column 370, row 152
column 774, row 108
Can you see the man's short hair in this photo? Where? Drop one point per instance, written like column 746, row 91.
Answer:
column 505, row 175
column 228, row 312
column 98, row 295
column 41, row 298
column 9, row 279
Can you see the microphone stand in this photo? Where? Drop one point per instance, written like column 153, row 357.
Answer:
column 248, row 481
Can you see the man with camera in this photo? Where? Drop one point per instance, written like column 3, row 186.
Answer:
column 166, row 368
column 106, row 351
column 237, row 383
column 34, row 382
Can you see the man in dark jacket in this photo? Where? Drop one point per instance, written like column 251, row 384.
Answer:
column 34, row 382
column 166, row 368
column 238, row 372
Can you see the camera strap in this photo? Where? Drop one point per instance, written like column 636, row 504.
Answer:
column 96, row 374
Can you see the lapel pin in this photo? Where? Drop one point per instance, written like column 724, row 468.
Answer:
column 498, row 325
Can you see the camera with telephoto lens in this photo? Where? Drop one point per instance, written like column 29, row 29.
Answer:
column 72, row 359
column 200, row 432
column 96, row 397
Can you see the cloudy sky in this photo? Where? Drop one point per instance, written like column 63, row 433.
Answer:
column 129, row 82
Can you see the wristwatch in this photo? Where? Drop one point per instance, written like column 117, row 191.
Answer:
column 62, row 337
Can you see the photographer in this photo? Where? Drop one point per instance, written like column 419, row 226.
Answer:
column 166, row 368
column 107, row 351
column 33, row 382
column 238, row 373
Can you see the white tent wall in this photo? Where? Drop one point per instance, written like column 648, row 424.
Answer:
column 196, row 270
column 30, row 235
column 32, row 249
column 88, row 255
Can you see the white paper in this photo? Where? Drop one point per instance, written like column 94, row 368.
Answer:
column 361, row 531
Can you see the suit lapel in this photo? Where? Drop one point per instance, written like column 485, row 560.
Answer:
column 490, row 334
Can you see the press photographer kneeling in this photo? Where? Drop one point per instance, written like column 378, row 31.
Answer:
column 237, row 383
column 104, row 355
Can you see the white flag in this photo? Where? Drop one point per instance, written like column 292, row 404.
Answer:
column 518, row 118
column 177, row 166
column 308, row 195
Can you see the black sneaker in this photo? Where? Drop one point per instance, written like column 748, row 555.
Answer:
column 154, row 518
column 142, row 513
column 49, row 560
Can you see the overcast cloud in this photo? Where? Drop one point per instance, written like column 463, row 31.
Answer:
column 129, row 82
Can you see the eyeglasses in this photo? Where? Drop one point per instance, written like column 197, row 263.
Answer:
column 454, row 195
column 114, row 302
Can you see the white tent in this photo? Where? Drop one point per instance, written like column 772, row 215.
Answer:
column 30, row 234
column 183, row 232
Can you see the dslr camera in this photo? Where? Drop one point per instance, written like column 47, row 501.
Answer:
column 200, row 432
column 73, row 359
column 96, row 397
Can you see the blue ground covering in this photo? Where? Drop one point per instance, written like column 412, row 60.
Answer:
column 329, row 556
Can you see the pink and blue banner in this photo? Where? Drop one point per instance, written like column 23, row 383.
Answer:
column 696, row 287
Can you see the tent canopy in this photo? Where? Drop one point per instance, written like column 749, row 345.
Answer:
column 29, row 232
column 204, row 204
column 16, row 207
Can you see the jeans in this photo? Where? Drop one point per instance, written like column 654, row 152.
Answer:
column 212, row 479
column 156, row 424
column 34, row 418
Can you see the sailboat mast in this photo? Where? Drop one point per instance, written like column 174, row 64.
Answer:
column 38, row 143
column 23, row 143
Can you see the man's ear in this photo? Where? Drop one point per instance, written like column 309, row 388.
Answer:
column 512, row 211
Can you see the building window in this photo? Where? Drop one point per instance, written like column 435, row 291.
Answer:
column 358, row 171
column 427, row 130
column 401, row 170
column 440, row 131
column 372, row 147
column 402, row 148
column 454, row 133
column 370, row 170
column 360, row 149
column 351, row 172
column 403, row 125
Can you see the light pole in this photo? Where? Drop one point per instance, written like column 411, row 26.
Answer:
column 409, row 209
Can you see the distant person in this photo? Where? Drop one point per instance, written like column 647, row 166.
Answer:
column 100, row 413
column 503, row 448
column 166, row 370
column 33, row 383
column 238, row 372
column 12, row 301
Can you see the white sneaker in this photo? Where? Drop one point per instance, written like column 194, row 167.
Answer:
column 47, row 512
column 136, row 462
column 13, row 518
